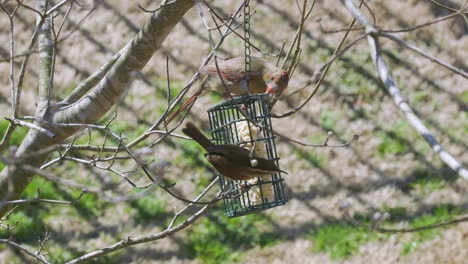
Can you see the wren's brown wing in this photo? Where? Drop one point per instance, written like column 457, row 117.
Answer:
column 268, row 165
column 241, row 157
column 234, row 153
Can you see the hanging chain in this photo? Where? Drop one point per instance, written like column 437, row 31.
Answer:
column 248, row 60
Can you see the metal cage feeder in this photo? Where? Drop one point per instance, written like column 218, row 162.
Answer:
column 229, row 125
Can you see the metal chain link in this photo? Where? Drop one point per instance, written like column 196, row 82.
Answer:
column 248, row 60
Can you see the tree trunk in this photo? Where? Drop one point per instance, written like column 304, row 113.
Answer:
column 13, row 179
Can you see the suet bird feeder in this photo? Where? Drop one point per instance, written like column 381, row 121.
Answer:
column 246, row 121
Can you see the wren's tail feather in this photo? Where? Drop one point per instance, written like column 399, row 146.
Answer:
column 192, row 131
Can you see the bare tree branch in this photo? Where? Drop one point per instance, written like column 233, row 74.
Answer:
column 424, row 54
column 129, row 241
column 375, row 227
column 38, row 199
column 25, row 250
column 91, row 81
column 46, row 45
column 57, row 6
column 17, row 122
column 323, row 73
column 442, row 5
column 424, row 24
column 397, row 96
column 98, row 101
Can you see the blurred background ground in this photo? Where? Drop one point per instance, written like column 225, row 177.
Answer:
column 390, row 169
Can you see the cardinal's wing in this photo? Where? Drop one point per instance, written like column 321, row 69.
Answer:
column 232, row 70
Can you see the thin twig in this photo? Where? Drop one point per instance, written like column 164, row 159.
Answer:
column 37, row 200
column 142, row 239
column 179, row 97
column 63, row 21
column 398, row 98
column 14, row 106
column 323, row 73
column 324, row 144
column 25, row 250
column 233, row 30
column 178, row 214
column 424, row 24
column 304, row 17
column 405, row 230
column 168, row 78
column 91, row 81
column 6, row 137
column 442, row 5
column 24, row 64
column 49, row 176
column 424, row 54
column 40, row 13
column 43, row 241
column 332, row 31
column 156, row 9
column 57, row 6
column 18, row 122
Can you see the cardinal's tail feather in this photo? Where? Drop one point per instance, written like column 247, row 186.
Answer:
column 184, row 106
column 192, row 131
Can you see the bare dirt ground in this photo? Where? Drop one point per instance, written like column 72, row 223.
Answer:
column 369, row 174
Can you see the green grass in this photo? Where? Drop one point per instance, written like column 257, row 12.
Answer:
column 313, row 157
column 161, row 85
column 394, row 141
column 121, row 128
column 57, row 253
column 69, row 87
column 464, row 97
column 354, row 75
column 329, row 118
column 217, row 98
column 25, row 226
column 426, row 181
column 15, row 139
column 18, row 135
column 233, row 42
column 340, row 239
column 161, row 93
column 60, row 253
column 150, row 208
column 34, row 219
column 126, row 131
column 191, row 155
column 88, row 205
column 218, row 239
column 439, row 214
column 389, row 144
column 421, row 96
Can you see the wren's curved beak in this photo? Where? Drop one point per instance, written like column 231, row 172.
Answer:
column 271, row 88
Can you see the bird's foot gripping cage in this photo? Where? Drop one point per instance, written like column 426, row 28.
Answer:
column 229, row 125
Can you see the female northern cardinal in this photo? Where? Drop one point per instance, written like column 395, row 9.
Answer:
column 263, row 78
column 231, row 161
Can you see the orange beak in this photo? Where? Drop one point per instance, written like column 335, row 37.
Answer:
column 270, row 91
column 271, row 88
